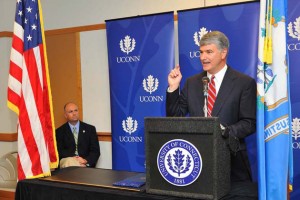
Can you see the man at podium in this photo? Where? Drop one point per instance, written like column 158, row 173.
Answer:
column 218, row 91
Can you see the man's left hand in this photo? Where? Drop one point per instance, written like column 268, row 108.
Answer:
column 82, row 161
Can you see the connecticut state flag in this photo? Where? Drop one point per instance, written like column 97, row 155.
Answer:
column 275, row 164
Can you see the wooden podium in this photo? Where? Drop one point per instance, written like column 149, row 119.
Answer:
column 171, row 145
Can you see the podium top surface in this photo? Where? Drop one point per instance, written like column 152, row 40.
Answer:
column 183, row 118
column 181, row 124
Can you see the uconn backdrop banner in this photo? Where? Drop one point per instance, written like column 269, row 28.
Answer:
column 293, row 40
column 240, row 23
column 140, row 56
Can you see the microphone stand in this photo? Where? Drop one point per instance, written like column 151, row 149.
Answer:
column 205, row 81
column 205, row 103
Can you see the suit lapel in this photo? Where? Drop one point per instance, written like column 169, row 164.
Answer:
column 224, row 91
column 200, row 94
column 69, row 131
column 81, row 131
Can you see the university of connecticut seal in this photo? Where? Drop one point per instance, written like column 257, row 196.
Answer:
column 179, row 162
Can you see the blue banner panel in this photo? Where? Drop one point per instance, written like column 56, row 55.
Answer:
column 140, row 55
column 293, row 44
column 240, row 23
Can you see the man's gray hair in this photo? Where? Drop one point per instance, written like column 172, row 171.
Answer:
column 215, row 37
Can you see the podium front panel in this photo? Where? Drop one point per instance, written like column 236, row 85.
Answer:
column 201, row 133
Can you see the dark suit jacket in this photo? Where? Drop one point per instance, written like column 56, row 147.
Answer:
column 235, row 106
column 88, row 145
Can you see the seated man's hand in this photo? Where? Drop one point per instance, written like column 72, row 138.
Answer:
column 81, row 160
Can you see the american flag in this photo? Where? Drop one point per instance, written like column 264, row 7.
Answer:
column 29, row 93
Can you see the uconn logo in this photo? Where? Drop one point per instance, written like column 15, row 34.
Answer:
column 296, row 133
column 197, row 37
column 150, row 85
column 294, row 32
column 127, row 45
column 130, row 126
column 179, row 162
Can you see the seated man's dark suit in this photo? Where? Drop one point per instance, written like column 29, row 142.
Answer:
column 88, row 145
column 235, row 106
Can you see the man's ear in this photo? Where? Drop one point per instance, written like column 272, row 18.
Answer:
column 224, row 53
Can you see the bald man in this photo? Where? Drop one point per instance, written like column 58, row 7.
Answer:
column 77, row 142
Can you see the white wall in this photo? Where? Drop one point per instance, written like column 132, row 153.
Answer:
column 95, row 80
column 95, row 88
column 70, row 13
column 78, row 12
column 6, row 147
column 7, row 118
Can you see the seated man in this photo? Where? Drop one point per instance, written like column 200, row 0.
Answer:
column 77, row 142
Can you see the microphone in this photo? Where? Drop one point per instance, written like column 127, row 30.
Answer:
column 205, row 81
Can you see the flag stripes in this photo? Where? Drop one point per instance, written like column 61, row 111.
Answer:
column 29, row 94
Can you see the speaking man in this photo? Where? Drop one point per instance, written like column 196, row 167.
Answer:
column 231, row 97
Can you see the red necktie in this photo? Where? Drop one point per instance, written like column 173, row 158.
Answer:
column 211, row 95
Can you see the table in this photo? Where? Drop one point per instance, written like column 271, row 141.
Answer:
column 95, row 183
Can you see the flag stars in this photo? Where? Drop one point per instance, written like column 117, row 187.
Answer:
column 33, row 27
column 19, row 1
column 29, row 38
column 20, row 13
column 25, row 21
column 29, row 9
